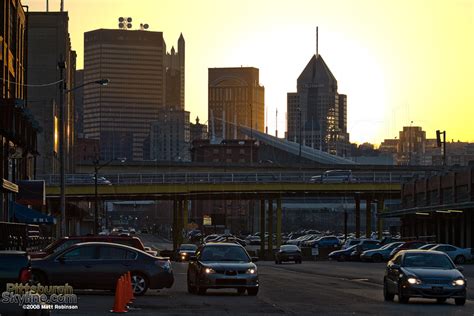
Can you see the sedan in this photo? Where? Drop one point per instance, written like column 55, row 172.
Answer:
column 426, row 274
column 185, row 251
column 343, row 254
column 98, row 265
column 288, row 253
column 380, row 254
column 406, row 246
column 458, row 255
column 222, row 265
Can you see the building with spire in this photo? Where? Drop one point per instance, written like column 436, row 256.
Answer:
column 317, row 113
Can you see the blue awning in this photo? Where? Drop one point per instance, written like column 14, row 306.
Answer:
column 27, row 215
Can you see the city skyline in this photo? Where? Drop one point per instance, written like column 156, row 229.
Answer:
column 392, row 72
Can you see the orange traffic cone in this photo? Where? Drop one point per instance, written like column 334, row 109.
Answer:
column 119, row 302
column 129, row 278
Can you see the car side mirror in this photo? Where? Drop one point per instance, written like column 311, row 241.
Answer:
column 254, row 259
column 394, row 266
column 192, row 258
column 460, row 268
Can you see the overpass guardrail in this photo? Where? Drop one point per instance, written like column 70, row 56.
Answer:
column 221, row 177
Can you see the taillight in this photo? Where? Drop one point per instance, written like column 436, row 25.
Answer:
column 25, row 275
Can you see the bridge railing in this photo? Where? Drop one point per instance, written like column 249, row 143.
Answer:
column 231, row 177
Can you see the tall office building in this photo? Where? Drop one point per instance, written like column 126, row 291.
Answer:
column 235, row 98
column 48, row 43
column 317, row 113
column 138, row 67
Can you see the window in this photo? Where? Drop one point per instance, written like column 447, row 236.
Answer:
column 114, row 253
column 80, row 253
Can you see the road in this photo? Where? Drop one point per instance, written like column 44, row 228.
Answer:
column 312, row 288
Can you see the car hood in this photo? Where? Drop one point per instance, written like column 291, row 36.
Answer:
column 38, row 254
column 228, row 265
column 433, row 273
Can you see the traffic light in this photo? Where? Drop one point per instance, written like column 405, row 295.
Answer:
column 438, row 138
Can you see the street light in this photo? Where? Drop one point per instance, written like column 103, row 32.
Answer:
column 97, row 167
column 62, row 92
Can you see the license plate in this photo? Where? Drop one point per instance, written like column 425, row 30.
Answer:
column 290, row 257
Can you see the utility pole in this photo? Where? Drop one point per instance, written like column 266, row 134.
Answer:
column 62, row 185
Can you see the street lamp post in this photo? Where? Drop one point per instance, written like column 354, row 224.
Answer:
column 97, row 167
column 62, row 170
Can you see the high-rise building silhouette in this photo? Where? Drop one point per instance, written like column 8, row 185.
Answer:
column 144, row 79
column 235, row 98
column 317, row 113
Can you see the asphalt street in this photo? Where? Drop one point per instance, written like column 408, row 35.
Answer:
column 312, row 288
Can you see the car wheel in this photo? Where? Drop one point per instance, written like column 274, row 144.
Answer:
column 241, row 291
column 252, row 291
column 441, row 300
column 386, row 294
column 459, row 259
column 460, row 301
column 139, row 284
column 191, row 289
column 402, row 298
column 377, row 258
column 201, row 290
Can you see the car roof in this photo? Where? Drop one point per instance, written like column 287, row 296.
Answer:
column 12, row 252
column 222, row 244
column 422, row 251
column 100, row 237
column 99, row 243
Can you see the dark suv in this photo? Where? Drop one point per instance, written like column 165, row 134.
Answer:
column 66, row 242
column 15, row 267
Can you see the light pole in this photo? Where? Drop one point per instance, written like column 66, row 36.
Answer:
column 62, row 173
column 97, row 167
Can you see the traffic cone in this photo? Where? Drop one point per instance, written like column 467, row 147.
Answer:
column 129, row 276
column 120, row 305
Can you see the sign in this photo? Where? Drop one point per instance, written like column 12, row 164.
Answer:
column 206, row 220
column 315, row 250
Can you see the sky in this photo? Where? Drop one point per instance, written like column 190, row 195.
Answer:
column 401, row 62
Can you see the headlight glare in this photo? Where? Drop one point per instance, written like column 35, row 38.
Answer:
column 209, row 270
column 459, row 282
column 252, row 271
column 413, row 280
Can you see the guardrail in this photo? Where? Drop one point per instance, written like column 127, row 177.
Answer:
column 219, row 178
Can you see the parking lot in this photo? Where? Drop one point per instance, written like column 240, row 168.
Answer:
column 324, row 288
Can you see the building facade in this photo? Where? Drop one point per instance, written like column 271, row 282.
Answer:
column 235, row 98
column 18, row 129
column 198, row 131
column 170, row 136
column 138, row 67
column 317, row 113
column 49, row 43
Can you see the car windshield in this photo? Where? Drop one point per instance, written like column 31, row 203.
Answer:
column 427, row 260
column 391, row 246
column 188, row 247
column 224, row 253
column 289, row 248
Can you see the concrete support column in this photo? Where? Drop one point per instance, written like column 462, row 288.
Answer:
column 469, row 237
column 180, row 222
column 278, row 223
column 175, row 225
column 368, row 217
column 446, row 231
column 357, row 216
column 438, row 229
column 262, row 228
column 270, row 227
column 462, row 223
column 185, row 213
column 380, row 206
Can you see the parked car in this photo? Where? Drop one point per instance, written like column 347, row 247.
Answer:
column 426, row 274
column 415, row 244
column 288, row 253
column 222, row 265
column 98, row 265
column 253, row 240
column 427, row 246
column 379, row 254
column 298, row 241
column 343, row 254
column 323, row 242
column 185, row 251
column 350, row 242
column 458, row 255
column 66, row 242
column 360, row 248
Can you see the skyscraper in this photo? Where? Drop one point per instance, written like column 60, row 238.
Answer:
column 235, row 98
column 317, row 113
column 143, row 78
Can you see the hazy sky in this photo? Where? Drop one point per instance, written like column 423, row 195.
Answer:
column 397, row 61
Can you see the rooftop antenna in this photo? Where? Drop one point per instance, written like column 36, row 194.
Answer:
column 62, row 6
column 317, row 52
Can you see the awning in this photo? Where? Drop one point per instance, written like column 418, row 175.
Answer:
column 27, row 215
column 8, row 186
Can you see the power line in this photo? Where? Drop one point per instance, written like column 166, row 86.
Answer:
column 32, row 85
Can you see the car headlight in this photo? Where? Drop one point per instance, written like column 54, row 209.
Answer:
column 209, row 270
column 251, row 271
column 459, row 282
column 412, row 280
